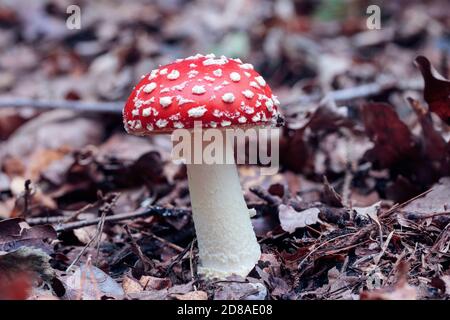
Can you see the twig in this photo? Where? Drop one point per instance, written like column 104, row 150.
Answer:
column 168, row 243
column 26, row 197
column 122, row 216
column 266, row 196
column 362, row 91
column 147, row 264
column 397, row 206
column 418, row 215
column 191, row 259
column 105, row 107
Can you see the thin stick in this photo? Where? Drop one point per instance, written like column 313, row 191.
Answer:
column 266, row 196
column 398, row 206
column 122, row 216
column 362, row 91
column 106, row 107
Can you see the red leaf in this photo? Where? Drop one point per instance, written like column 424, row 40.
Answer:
column 393, row 142
column 437, row 89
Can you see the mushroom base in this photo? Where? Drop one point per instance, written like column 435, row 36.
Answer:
column 226, row 240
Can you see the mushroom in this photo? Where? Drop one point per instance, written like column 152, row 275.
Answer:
column 220, row 93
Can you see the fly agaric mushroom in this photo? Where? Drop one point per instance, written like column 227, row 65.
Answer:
column 219, row 93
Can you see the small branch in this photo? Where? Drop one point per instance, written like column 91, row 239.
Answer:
column 418, row 215
column 362, row 91
column 104, row 107
column 266, row 196
column 122, row 216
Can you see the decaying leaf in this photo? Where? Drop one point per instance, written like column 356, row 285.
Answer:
column 90, row 283
column 291, row 220
column 437, row 89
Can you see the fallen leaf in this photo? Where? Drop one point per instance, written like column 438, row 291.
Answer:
column 194, row 295
column 393, row 142
column 240, row 291
column 131, row 285
column 291, row 220
column 90, row 283
column 437, row 89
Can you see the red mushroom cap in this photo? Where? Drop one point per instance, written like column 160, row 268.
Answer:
column 219, row 92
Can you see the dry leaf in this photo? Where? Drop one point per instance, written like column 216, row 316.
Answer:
column 291, row 219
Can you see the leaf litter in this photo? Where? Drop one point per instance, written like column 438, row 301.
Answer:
column 359, row 209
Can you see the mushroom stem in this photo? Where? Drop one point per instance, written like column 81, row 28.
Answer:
column 226, row 240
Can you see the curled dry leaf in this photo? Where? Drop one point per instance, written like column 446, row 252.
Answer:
column 240, row 291
column 437, row 89
column 193, row 295
column 131, row 285
column 291, row 220
column 392, row 139
column 16, row 233
column 90, row 283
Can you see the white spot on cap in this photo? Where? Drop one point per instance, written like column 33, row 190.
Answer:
column 161, row 123
column 254, row 85
column 242, row 119
column 275, row 100
column 249, row 110
column 135, row 112
column 197, row 112
column 182, row 100
column 228, row 97
column 217, row 113
column 208, row 78
column 261, row 81
column 149, row 127
column 178, row 125
column 165, row 90
column 165, row 101
column 173, row 75
column 212, row 61
column 246, row 66
column 135, row 124
column 269, row 105
column 148, row 111
column 218, row 88
column 247, row 74
column 153, row 74
column 213, row 124
column 180, row 86
column 192, row 74
column 192, row 65
column 256, row 117
column 237, row 60
column 175, row 117
column 217, row 72
column 225, row 123
column 198, row 89
column 234, row 76
column 163, row 71
column 149, row 87
column 248, row 94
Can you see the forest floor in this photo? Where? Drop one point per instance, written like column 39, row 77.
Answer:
column 359, row 210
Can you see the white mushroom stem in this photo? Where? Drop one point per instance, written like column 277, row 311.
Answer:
column 226, row 240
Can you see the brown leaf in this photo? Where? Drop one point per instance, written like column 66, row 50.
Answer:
column 90, row 283
column 435, row 201
column 437, row 89
column 193, row 295
column 400, row 291
column 131, row 285
column 330, row 196
column 16, row 233
column 392, row 139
